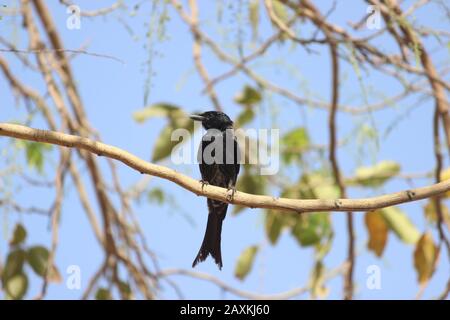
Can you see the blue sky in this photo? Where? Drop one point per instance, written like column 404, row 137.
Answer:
column 112, row 91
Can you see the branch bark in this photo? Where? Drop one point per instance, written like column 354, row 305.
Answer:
column 217, row 193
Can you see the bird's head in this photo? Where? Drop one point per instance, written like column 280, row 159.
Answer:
column 213, row 120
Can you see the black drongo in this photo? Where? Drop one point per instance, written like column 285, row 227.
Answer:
column 218, row 158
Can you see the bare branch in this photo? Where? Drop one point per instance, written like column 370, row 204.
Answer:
column 217, row 193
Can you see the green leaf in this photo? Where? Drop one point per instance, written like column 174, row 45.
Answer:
column 277, row 220
column 251, row 182
column 14, row 264
column 377, row 175
column 125, row 289
column 248, row 96
column 37, row 258
column 103, row 294
column 35, row 154
column 400, row 224
column 178, row 119
column 164, row 144
column 274, row 224
column 19, row 235
column 16, row 286
column 245, row 262
column 311, row 228
column 155, row 110
column 294, row 142
column 156, row 195
column 245, row 117
column 253, row 15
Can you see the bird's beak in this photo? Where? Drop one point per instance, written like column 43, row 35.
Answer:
column 197, row 117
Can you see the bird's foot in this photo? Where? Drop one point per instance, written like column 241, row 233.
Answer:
column 204, row 183
column 230, row 195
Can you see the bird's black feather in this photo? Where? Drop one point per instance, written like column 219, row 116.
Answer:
column 219, row 159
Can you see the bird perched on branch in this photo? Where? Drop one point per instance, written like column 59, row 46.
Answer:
column 218, row 158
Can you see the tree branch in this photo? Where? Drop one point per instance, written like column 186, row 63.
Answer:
column 217, row 193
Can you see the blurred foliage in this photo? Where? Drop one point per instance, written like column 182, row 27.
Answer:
column 13, row 275
column 310, row 229
column 177, row 119
column 246, row 116
column 103, row 294
column 245, row 262
column 378, row 232
column 425, row 256
column 35, row 153
column 445, row 175
column 293, row 143
column 253, row 16
column 377, row 175
column 431, row 213
column 248, row 96
column 251, row 182
column 400, row 224
column 317, row 281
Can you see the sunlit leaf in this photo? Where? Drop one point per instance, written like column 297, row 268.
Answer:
column 19, row 235
column 16, row 286
column 293, row 143
column 377, row 175
column 155, row 110
column 37, row 258
column 378, row 232
column 248, row 96
column 103, row 294
column 318, row 185
column 399, row 222
column 425, row 256
column 245, row 262
column 311, row 228
column 280, row 10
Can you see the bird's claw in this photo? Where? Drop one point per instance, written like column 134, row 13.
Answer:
column 230, row 196
column 204, row 183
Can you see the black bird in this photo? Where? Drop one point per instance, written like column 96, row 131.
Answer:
column 218, row 158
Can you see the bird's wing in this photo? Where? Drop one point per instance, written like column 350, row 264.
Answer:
column 208, row 170
column 231, row 164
